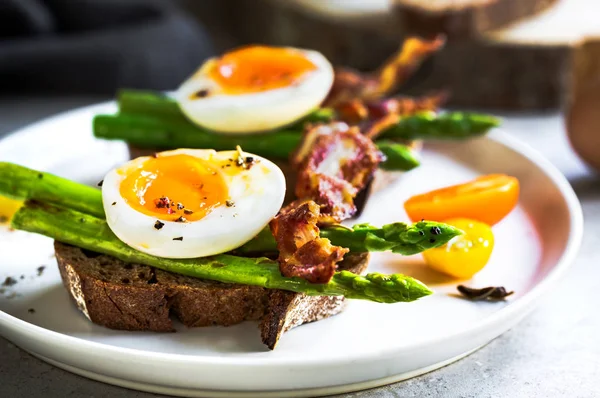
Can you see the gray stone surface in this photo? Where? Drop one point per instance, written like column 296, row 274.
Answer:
column 554, row 352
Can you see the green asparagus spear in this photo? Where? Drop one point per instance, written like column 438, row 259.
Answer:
column 398, row 156
column 159, row 105
column 149, row 103
column 397, row 237
column 93, row 234
column 423, row 126
column 161, row 133
column 18, row 182
column 158, row 133
column 455, row 125
column 400, row 238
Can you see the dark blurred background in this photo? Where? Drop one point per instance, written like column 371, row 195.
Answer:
column 495, row 56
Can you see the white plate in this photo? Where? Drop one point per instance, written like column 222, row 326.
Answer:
column 367, row 345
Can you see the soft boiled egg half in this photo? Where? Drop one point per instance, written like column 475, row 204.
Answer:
column 192, row 202
column 255, row 88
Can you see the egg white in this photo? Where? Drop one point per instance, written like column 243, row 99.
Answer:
column 257, row 194
column 255, row 112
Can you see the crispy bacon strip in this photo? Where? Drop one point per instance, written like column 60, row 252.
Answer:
column 334, row 163
column 349, row 84
column 352, row 112
column 302, row 253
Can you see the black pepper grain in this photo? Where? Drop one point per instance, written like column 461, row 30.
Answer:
column 100, row 183
column 181, row 219
column 422, row 233
column 188, row 211
column 163, row 203
column 158, row 224
column 436, row 230
column 31, row 311
column 229, row 203
column 202, row 93
column 432, row 240
column 40, row 270
column 179, row 238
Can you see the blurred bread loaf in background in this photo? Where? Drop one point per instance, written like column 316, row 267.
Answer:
column 500, row 54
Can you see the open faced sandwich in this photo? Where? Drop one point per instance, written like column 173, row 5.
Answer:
column 231, row 206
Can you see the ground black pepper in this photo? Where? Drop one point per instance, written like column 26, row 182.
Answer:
column 158, row 224
column 202, row 93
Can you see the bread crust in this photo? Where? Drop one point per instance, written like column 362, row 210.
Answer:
column 287, row 310
column 125, row 296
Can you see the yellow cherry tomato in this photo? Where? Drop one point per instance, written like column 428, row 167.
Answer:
column 8, row 207
column 464, row 255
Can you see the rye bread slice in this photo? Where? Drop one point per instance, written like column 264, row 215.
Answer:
column 287, row 310
column 125, row 296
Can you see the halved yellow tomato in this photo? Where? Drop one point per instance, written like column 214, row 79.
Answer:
column 487, row 199
column 8, row 207
column 465, row 255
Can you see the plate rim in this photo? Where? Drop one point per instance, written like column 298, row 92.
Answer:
column 522, row 305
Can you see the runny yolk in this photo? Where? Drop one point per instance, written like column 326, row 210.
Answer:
column 175, row 186
column 259, row 68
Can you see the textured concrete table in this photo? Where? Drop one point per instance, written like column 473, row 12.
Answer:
column 554, row 352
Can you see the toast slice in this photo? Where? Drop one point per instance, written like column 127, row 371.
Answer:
column 125, row 296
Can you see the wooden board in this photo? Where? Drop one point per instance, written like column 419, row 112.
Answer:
column 534, row 64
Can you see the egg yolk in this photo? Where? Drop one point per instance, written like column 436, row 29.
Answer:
column 259, row 68
column 175, row 188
